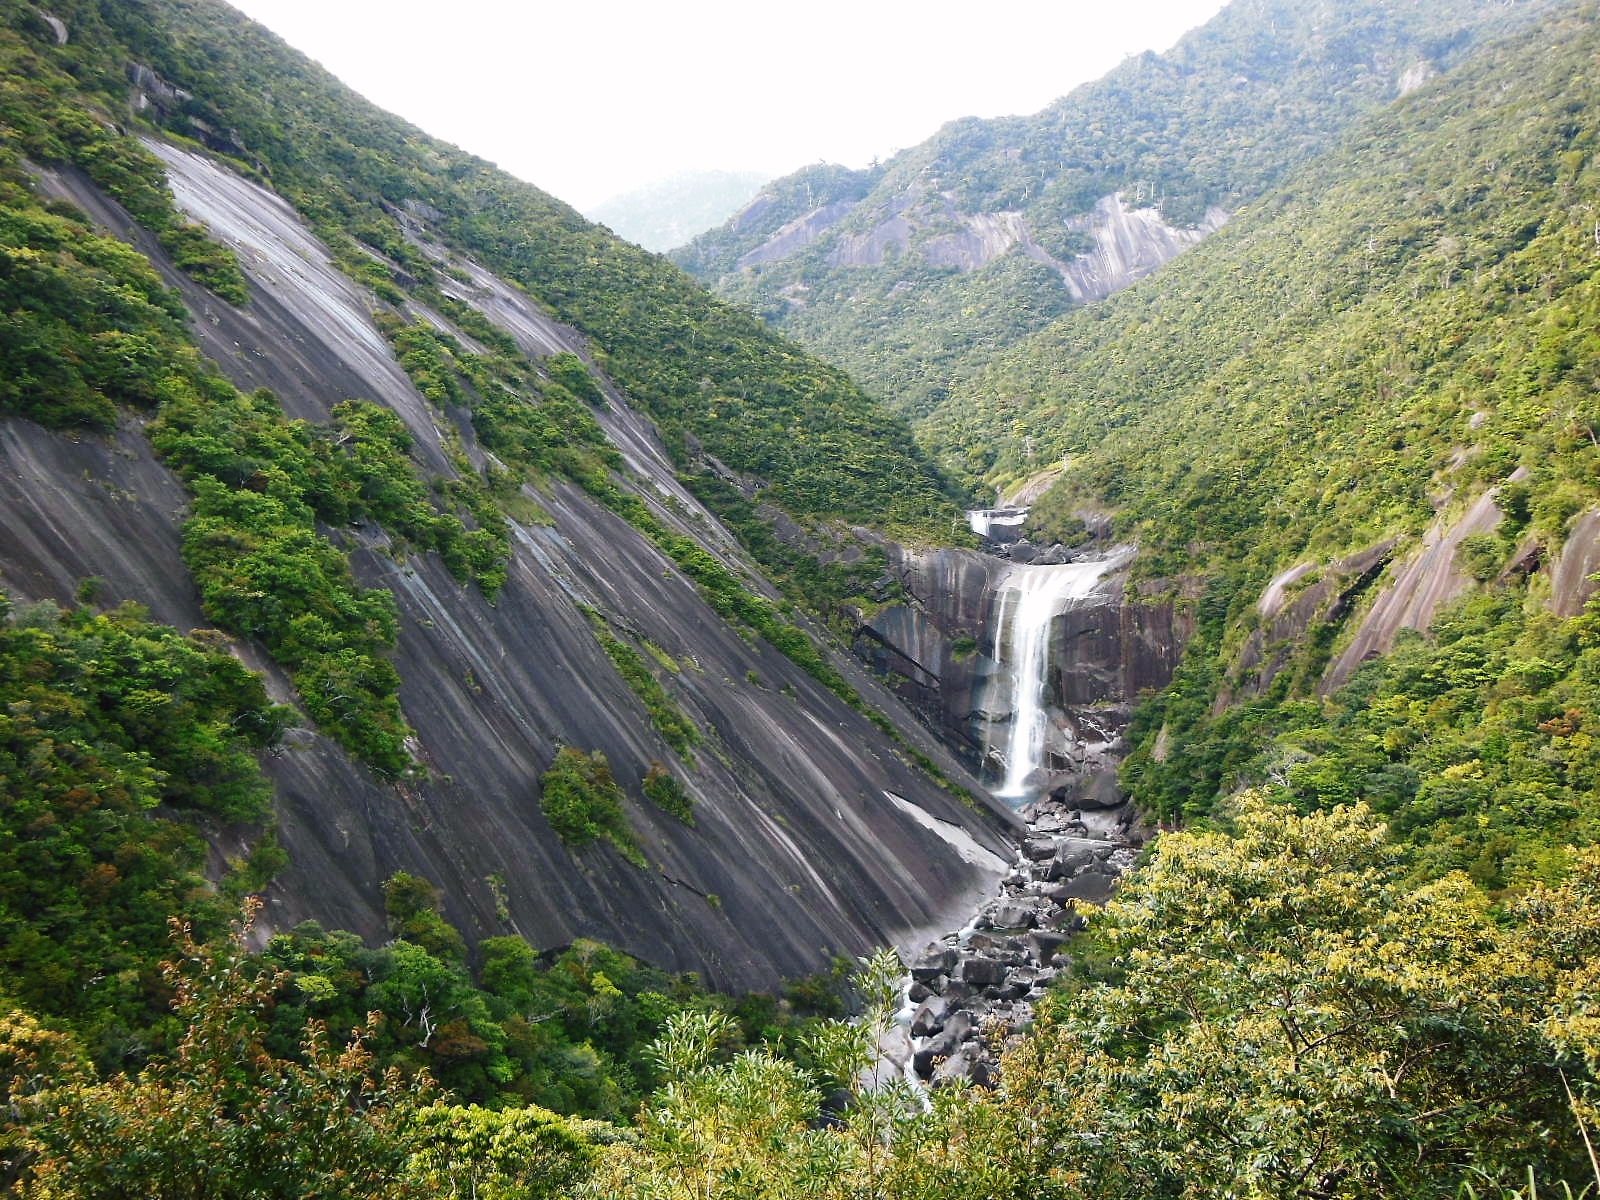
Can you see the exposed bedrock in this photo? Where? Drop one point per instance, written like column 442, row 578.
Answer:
column 813, row 834
column 1572, row 579
column 938, row 647
column 1417, row 587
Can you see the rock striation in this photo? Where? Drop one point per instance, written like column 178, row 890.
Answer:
column 936, row 646
column 795, row 854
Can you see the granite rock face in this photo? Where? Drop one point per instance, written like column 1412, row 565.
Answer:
column 938, row 648
column 1418, row 587
column 814, row 836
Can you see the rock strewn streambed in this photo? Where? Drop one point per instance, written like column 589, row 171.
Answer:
column 974, row 990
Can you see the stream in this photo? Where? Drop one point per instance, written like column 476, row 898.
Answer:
column 975, row 988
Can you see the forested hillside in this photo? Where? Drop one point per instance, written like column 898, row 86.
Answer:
column 470, row 667
column 914, row 272
column 699, row 368
column 471, row 672
column 1407, row 322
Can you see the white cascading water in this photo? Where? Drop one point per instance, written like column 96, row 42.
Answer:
column 1030, row 600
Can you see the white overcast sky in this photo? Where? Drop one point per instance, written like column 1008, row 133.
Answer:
column 590, row 98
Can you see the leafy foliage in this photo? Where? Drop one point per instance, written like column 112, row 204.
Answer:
column 663, row 789
column 1291, row 1017
column 682, row 734
column 84, row 321
column 225, row 1117
column 1473, row 743
column 567, row 1030
column 1284, row 1014
column 103, row 718
column 583, row 802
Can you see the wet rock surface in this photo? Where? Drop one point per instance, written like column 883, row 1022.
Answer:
column 973, row 992
column 936, row 646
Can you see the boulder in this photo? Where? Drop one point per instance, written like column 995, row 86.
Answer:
column 1015, row 916
column 930, row 1017
column 1055, row 556
column 1071, row 921
column 983, row 972
column 955, row 989
column 1095, row 887
column 1057, row 893
column 983, row 1072
column 1045, row 943
column 935, row 960
column 954, row 1067
column 943, row 1044
column 1092, row 792
column 1070, row 858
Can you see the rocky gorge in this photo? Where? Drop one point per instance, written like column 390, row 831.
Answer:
column 1032, row 669
column 971, row 992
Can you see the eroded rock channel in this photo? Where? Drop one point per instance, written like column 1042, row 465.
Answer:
column 1032, row 670
column 976, row 988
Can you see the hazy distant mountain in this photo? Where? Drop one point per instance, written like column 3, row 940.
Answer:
column 665, row 215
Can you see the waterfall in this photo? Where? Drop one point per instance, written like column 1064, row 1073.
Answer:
column 1030, row 599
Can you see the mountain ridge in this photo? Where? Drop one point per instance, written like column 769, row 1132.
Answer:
column 422, row 533
column 1215, row 121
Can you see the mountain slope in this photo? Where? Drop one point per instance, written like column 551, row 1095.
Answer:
column 1364, row 409
column 910, row 273
column 441, row 520
column 1312, row 376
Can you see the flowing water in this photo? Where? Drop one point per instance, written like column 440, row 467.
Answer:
column 1030, row 599
column 1027, row 602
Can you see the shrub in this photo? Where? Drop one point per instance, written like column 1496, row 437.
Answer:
column 661, row 788
column 582, row 802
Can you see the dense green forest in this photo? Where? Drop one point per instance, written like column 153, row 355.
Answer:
column 1215, row 122
column 1307, row 380
column 1361, row 963
column 1402, row 325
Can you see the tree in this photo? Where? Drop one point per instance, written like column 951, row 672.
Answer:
column 1294, row 1021
column 222, row 1117
column 225, row 1119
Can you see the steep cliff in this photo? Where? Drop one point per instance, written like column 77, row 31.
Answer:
column 941, row 647
column 814, row 832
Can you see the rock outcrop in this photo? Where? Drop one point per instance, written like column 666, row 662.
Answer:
column 938, row 648
column 1417, row 588
column 1296, row 601
column 1130, row 241
column 796, row 854
column 1572, row 580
